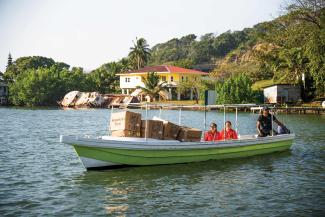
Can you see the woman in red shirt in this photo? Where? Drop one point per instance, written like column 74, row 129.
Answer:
column 212, row 134
column 230, row 133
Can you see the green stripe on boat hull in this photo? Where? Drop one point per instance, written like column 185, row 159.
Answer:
column 154, row 157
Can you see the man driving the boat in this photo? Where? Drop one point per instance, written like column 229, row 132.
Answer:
column 264, row 123
column 212, row 134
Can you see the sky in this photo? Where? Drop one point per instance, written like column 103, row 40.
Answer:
column 89, row 33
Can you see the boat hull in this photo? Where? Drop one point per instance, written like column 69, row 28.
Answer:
column 94, row 163
column 114, row 155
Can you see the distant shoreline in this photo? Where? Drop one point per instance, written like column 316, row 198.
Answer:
column 279, row 110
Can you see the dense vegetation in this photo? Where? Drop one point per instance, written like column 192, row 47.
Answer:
column 289, row 49
column 188, row 51
column 298, row 54
column 236, row 89
column 38, row 81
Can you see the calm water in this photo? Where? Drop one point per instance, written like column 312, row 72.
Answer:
column 40, row 176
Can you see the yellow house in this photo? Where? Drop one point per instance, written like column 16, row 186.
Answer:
column 173, row 76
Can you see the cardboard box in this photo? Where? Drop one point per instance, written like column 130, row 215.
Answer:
column 154, row 129
column 187, row 134
column 125, row 133
column 126, row 120
column 171, row 130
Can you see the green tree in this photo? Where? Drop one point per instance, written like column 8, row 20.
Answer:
column 184, row 63
column 197, row 85
column 125, row 64
column 104, row 79
column 46, row 86
column 153, row 86
column 9, row 62
column 140, row 53
column 35, row 87
column 26, row 63
column 235, row 90
column 173, row 50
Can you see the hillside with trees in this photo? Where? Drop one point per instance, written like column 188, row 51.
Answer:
column 289, row 49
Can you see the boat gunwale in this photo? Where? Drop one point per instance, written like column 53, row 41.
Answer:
column 156, row 145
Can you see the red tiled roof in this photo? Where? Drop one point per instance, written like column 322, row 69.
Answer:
column 167, row 68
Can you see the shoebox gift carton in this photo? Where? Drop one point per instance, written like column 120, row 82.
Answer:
column 152, row 129
column 128, row 124
column 187, row 134
column 171, row 130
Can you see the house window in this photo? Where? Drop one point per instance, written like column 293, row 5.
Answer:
column 182, row 78
column 171, row 78
column 194, row 78
column 186, row 78
column 127, row 80
column 163, row 78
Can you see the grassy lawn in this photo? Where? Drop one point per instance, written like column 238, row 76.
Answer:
column 178, row 102
column 313, row 104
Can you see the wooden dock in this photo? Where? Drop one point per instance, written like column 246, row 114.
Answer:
column 294, row 110
column 229, row 108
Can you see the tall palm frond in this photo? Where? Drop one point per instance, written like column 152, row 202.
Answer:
column 153, row 86
column 140, row 52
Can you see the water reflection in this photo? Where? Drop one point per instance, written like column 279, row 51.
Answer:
column 196, row 170
column 117, row 210
column 126, row 190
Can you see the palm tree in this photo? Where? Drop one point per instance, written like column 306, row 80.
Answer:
column 125, row 64
column 196, row 85
column 140, row 52
column 153, row 87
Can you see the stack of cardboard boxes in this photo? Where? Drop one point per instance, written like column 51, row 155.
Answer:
column 125, row 124
column 129, row 124
column 171, row 130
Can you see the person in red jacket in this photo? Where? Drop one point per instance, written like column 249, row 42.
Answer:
column 230, row 133
column 212, row 134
